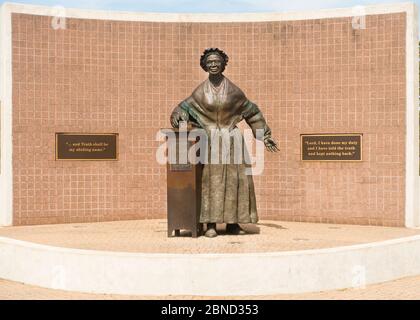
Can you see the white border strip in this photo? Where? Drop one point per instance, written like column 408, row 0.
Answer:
column 412, row 196
column 6, row 146
column 209, row 274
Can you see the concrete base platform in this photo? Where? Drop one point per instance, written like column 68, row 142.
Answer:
column 137, row 258
column 149, row 236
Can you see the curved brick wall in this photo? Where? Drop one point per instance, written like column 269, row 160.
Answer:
column 309, row 76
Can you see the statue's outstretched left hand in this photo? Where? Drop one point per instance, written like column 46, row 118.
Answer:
column 271, row 145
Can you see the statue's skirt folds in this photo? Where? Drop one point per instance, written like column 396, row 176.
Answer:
column 228, row 194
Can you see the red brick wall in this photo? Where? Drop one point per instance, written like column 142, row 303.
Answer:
column 312, row 76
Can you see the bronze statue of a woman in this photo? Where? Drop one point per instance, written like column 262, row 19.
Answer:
column 228, row 194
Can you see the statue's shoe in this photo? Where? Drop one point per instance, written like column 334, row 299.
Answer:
column 234, row 228
column 211, row 233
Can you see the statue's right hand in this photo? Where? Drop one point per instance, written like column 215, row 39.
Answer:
column 175, row 118
column 178, row 115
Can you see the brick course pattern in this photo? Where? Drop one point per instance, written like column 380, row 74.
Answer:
column 311, row 76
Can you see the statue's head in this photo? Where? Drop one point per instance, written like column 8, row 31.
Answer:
column 214, row 60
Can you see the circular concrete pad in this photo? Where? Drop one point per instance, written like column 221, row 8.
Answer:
column 150, row 236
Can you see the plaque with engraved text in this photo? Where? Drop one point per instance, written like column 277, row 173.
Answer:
column 331, row 147
column 86, row 146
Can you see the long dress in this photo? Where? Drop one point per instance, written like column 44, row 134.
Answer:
column 228, row 194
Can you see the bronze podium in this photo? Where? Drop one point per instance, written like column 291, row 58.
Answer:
column 183, row 190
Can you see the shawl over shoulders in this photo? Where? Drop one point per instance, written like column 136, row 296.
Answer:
column 210, row 108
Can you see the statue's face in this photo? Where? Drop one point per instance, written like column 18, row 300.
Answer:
column 214, row 64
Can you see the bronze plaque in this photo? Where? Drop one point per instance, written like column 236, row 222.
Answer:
column 86, row 146
column 331, row 147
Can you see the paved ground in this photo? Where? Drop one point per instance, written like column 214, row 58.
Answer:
column 150, row 236
column 407, row 288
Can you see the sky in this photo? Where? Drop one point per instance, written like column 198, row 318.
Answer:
column 218, row 6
